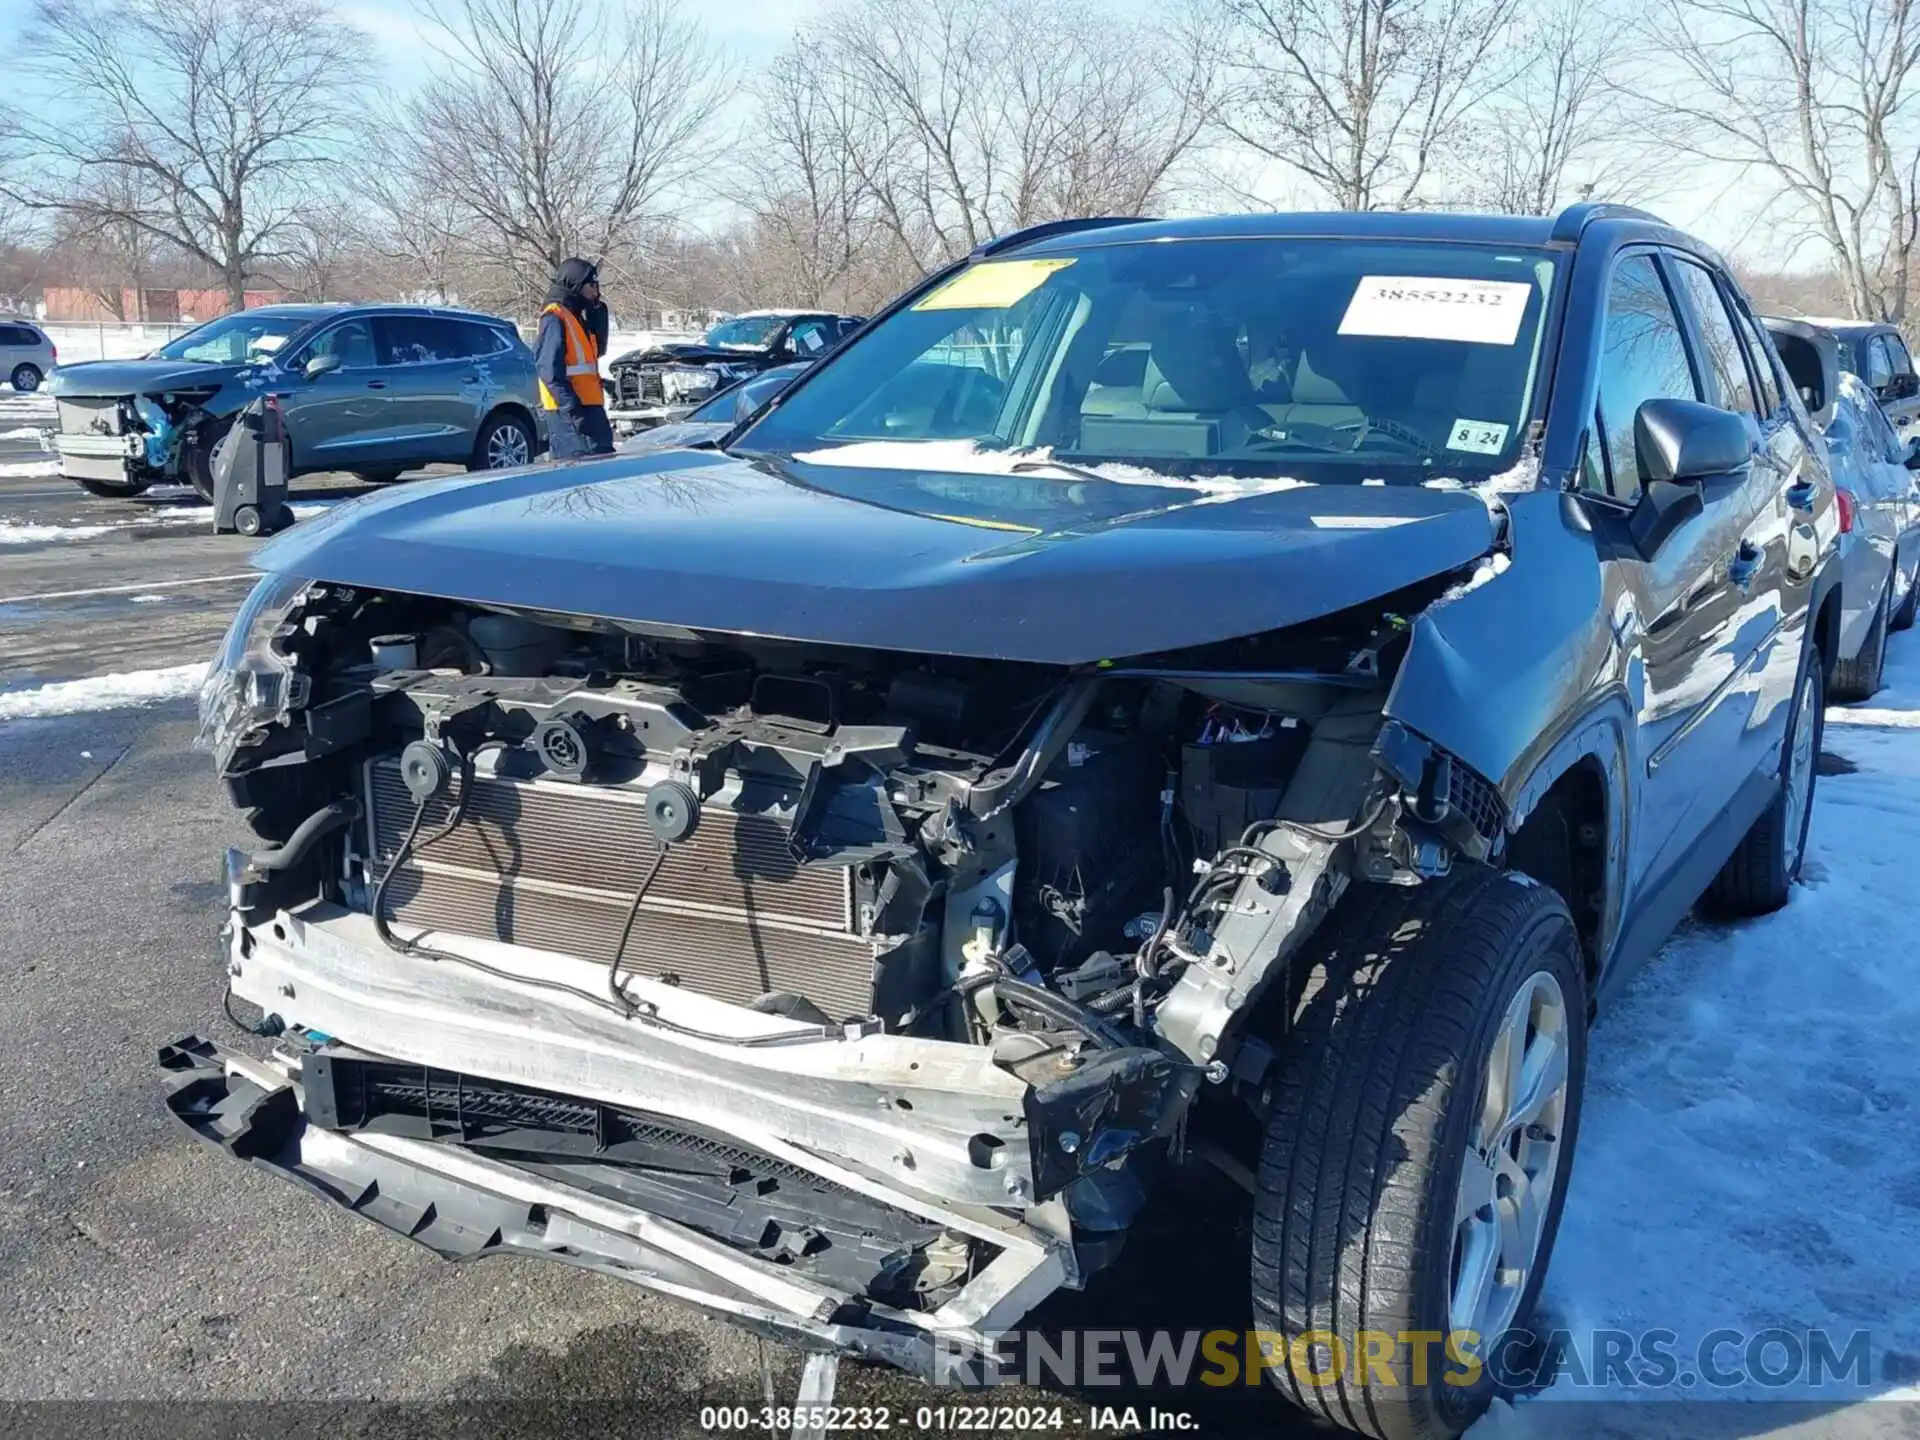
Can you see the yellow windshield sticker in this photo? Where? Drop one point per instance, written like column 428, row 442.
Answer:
column 992, row 286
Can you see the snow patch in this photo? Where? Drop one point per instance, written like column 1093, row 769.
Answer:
column 1488, row 569
column 965, row 457
column 147, row 599
column 19, row 532
column 23, row 432
column 103, row 692
column 22, row 469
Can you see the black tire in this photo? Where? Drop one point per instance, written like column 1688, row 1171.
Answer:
column 1860, row 677
column 198, row 460
column 1903, row 618
column 26, row 378
column 1380, row 1084
column 488, row 442
column 110, row 489
column 376, row 477
column 1759, row 875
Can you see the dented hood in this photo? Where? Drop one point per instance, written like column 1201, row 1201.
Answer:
column 1036, row 567
column 140, row 377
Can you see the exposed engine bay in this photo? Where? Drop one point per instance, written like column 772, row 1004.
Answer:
column 885, row 969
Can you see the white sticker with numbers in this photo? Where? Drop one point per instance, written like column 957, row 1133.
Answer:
column 1482, row 437
column 1418, row 307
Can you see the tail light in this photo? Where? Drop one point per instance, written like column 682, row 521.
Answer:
column 1846, row 503
column 54, row 351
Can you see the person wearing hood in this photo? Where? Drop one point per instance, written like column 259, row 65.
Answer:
column 567, row 361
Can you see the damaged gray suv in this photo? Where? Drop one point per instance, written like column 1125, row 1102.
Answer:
column 1232, row 696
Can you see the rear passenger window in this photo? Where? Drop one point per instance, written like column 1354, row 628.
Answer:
column 1642, row 358
column 1725, row 367
column 17, row 335
column 422, row 339
column 1760, row 356
column 1879, row 364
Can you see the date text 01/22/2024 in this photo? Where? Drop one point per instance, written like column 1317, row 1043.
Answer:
column 941, row 1419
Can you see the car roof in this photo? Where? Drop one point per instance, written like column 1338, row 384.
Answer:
column 326, row 310
column 1605, row 223
column 1843, row 327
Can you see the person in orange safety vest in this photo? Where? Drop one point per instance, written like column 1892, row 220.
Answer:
column 567, row 362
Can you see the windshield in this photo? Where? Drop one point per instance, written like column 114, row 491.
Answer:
column 1328, row 359
column 235, row 339
column 745, row 332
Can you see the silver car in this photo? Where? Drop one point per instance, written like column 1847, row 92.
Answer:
column 27, row 356
column 1880, row 535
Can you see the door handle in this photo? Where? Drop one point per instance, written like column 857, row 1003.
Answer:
column 1800, row 494
column 1744, row 565
column 376, row 384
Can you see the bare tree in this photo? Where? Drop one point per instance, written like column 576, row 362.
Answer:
column 1364, row 98
column 556, row 129
column 224, row 112
column 1555, row 133
column 962, row 119
column 1817, row 97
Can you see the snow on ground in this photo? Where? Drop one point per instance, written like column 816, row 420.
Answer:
column 20, row 469
column 21, row 532
column 1749, row 1155
column 103, row 692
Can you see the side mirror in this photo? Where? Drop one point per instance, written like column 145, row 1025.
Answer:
column 1683, row 442
column 321, row 365
column 1679, row 445
column 1903, row 386
column 1912, row 462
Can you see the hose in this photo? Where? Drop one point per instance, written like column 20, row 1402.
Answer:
column 306, row 834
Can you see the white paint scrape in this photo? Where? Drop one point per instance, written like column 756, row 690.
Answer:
column 124, row 691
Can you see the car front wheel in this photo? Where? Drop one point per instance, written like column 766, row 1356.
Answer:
column 1417, row 1149
column 110, row 489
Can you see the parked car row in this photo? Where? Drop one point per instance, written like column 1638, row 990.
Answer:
column 1873, row 470
column 1215, row 699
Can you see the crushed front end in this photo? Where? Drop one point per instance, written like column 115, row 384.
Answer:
column 132, row 439
column 862, row 997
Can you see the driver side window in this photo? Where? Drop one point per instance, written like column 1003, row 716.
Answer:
column 351, row 340
column 1642, row 357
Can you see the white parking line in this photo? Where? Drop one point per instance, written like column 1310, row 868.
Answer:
column 142, row 586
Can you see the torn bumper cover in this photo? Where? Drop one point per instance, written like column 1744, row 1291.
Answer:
column 465, row 1205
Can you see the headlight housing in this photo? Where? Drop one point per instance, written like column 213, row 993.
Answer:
column 251, row 684
column 686, row 382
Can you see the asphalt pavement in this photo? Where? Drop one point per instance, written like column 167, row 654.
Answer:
column 148, row 1270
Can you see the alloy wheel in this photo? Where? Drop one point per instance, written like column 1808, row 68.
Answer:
column 507, row 448
column 1512, row 1161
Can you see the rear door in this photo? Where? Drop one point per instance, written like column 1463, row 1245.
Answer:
column 1683, row 624
column 430, row 361
column 1770, row 566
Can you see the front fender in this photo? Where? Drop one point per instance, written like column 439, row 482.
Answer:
column 1493, row 673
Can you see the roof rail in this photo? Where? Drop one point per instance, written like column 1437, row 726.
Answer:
column 1001, row 243
column 1568, row 224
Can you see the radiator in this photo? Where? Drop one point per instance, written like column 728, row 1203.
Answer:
column 554, row 866
column 88, row 414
